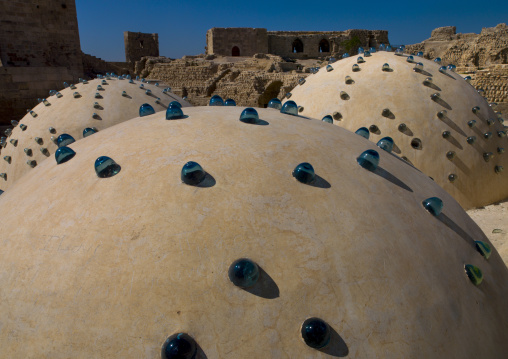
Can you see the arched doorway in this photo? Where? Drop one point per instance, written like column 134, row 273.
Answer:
column 297, row 46
column 324, row 46
column 235, row 51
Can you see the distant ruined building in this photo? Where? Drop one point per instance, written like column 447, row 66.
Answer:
column 292, row 44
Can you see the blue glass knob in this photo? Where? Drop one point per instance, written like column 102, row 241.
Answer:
column 468, row 79
column 483, row 248
column 442, row 69
column 289, row 108
column 8, row 159
column 275, row 103
column 361, row 50
column 65, row 140
column 452, row 177
column 349, row 80
column 179, row 346
column 288, row 95
column 471, row 140
column 386, row 112
column 360, row 60
column 386, row 67
column 364, row 132
column 372, row 50
column 437, row 60
column 418, row 67
column 451, row 67
column 216, row 100
column 487, row 156
column 175, row 104
column 63, row 154
column 355, row 68
column 399, row 52
column 369, row 160
column 419, row 54
column 490, row 122
column 329, row 68
column 88, row 131
column 446, row 134
column 230, row 102
column 249, row 115
column 301, row 81
column 500, row 150
column 474, row 274
column 475, row 109
column 327, row 118
column 174, row 113
column 345, row 55
column 471, row 123
column 366, row 53
column 192, row 173
column 382, row 47
column 498, row 169
column 389, row 48
column 243, row 272
column 106, row 167
column 386, row 143
column 304, row 173
column 410, row 58
column 146, row 110
column 316, row 333
column 434, row 205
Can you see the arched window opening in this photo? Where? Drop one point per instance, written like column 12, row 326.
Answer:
column 141, row 44
column 297, row 46
column 324, row 46
column 235, row 51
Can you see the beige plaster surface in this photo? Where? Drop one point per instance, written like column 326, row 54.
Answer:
column 109, row 267
column 72, row 115
column 403, row 93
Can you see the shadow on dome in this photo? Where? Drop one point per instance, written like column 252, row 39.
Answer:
column 337, row 346
column 265, row 286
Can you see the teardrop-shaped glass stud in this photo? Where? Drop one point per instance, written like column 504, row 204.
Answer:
column 451, row 67
column 500, row 150
column 345, row 55
column 474, row 274
column 386, row 112
column 249, row 115
column 88, row 131
column 372, row 50
column 28, row 151
column 31, row 163
column 402, row 127
column 124, row 93
column 498, row 169
column 471, row 123
column 4, row 176
column 192, row 173
column 96, row 105
column 243, row 272
column 54, row 139
column 33, row 113
column 175, row 104
column 288, row 95
column 275, row 103
column 471, row 140
column 52, row 92
column 399, row 52
column 23, row 127
column 216, row 100
column 360, row 60
column 329, row 68
column 38, row 140
column 148, row 92
column 65, row 84
column 63, row 154
column 73, row 87
column 435, row 96
column 289, row 108
column 44, row 151
column 501, row 134
column 174, row 113
column 382, row 47
column 386, row 143
column 410, row 59
column 437, row 60
column 419, row 54
column 468, row 79
column 487, row 156
column 146, row 110
column 490, row 122
column 14, row 142
column 483, row 248
column 106, row 167
column 337, row 116
column 418, row 67
column 481, row 92
column 98, row 95
column 230, row 102
column 179, row 346
column 369, row 160
column 366, row 53
column 304, row 173
column 8, row 132
column 434, row 205
column 374, row 129
column 364, row 132
column 8, row 159
column 476, row 109
column 428, row 81
column 58, row 95
column 327, row 118
column 452, row 177
column 349, row 80
column 316, row 333
column 446, row 134
column 442, row 69
column 442, row 114
column 76, row 94
column 14, row 123
column 301, row 81
column 51, row 130
column 355, row 68
column 487, row 135
column 65, row 140
column 344, row 95
column 99, row 87
column 131, row 81
column 386, row 67
column 361, row 50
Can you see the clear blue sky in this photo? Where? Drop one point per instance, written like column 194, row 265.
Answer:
column 182, row 24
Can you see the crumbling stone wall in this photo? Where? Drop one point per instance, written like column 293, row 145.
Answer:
column 138, row 45
column 39, row 50
column 93, row 66
column 494, row 82
column 248, row 41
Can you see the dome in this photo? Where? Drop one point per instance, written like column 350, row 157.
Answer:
column 70, row 112
column 438, row 122
column 231, row 239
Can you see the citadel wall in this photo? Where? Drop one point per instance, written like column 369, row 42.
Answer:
column 239, row 41
column 139, row 44
column 39, row 50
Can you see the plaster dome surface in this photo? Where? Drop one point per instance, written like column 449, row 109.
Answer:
column 71, row 115
column 422, row 133
column 111, row 267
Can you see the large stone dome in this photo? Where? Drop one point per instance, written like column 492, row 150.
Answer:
column 111, row 267
column 66, row 114
column 427, row 121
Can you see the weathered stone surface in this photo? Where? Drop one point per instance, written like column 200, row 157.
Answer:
column 443, row 33
column 138, row 44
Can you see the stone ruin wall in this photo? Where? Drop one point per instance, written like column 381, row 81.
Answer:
column 249, row 41
column 39, row 50
column 495, row 83
column 138, row 45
